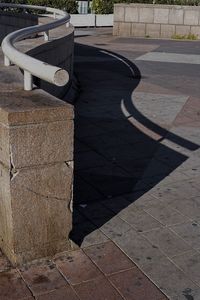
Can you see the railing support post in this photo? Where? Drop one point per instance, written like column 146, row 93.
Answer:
column 46, row 36
column 28, row 81
column 7, row 61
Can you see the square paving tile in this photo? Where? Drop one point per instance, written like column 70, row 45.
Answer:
column 190, row 232
column 64, row 293
column 139, row 219
column 42, row 277
column 138, row 249
column 76, row 267
column 93, row 238
column 134, row 285
column 190, row 264
column 115, row 227
column 166, row 215
column 109, row 258
column 167, row 241
column 170, row 279
column 12, row 286
column 98, row 289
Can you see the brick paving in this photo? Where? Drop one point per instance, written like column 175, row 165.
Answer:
column 136, row 230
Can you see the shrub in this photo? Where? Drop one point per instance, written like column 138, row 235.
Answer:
column 70, row 6
column 106, row 6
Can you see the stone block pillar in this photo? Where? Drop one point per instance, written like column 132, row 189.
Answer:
column 36, row 175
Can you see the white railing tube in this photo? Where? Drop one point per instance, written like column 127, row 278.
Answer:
column 32, row 66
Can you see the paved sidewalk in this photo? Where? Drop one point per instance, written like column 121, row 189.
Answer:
column 137, row 173
column 137, row 155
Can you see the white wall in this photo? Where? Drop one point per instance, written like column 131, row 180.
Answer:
column 91, row 20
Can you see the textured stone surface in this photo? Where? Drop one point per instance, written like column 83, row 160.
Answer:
column 37, row 204
column 36, row 172
column 37, row 144
column 77, row 267
column 176, row 16
column 191, row 17
column 109, row 258
column 196, row 31
column 146, row 15
column 182, row 30
column 131, row 14
column 119, row 13
column 125, row 29
column 161, row 15
column 167, row 242
column 153, row 30
column 167, row 31
column 42, row 277
column 131, row 283
column 20, row 107
column 97, row 289
column 186, row 19
column 138, row 29
column 12, row 286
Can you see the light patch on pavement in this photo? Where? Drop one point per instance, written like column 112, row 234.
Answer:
column 159, row 108
column 171, row 58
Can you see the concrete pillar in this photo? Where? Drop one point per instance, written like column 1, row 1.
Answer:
column 36, row 175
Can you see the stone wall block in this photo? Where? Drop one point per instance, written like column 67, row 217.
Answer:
column 196, row 31
column 116, row 26
column 182, row 30
column 146, row 15
column 40, row 201
column 176, row 15
column 153, row 30
column 191, row 17
column 40, row 144
column 167, row 31
column 119, row 13
column 161, row 15
column 138, row 30
column 36, row 210
column 125, row 29
column 131, row 14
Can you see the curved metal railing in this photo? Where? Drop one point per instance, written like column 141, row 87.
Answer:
column 31, row 66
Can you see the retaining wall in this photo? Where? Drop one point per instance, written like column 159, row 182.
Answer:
column 156, row 21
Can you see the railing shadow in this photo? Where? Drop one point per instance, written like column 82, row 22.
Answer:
column 113, row 157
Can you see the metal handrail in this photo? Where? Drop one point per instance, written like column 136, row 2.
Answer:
column 32, row 66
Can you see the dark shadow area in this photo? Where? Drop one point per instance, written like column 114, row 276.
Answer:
column 112, row 156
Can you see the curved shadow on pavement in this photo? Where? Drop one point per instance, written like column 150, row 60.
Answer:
column 113, row 158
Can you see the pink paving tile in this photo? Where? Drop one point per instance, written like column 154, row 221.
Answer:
column 77, row 267
column 109, row 258
column 64, row 293
column 12, row 286
column 42, row 277
column 97, row 289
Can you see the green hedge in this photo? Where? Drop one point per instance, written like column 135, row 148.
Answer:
column 106, row 6
column 98, row 6
column 70, row 6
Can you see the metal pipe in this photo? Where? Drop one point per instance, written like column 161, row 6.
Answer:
column 30, row 65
